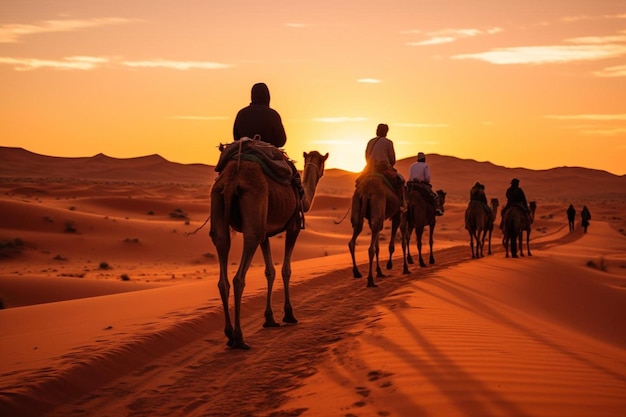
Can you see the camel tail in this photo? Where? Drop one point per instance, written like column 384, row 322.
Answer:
column 229, row 194
column 361, row 213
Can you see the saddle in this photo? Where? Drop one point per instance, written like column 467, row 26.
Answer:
column 272, row 160
column 424, row 188
column 389, row 175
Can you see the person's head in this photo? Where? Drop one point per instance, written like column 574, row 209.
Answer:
column 515, row 182
column 476, row 184
column 421, row 157
column 260, row 94
column 382, row 130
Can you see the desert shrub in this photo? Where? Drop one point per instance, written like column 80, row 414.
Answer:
column 16, row 243
column 150, row 213
column 104, row 265
column 124, row 277
column 133, row 240
column 601, row 265
column 69, row 227
column 60, row 258
column 178, row 214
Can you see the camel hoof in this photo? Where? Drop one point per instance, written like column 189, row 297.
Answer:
column 389, row 265
column 371, row 285
column 290, row 319
column 271, row 324
column 240, row 345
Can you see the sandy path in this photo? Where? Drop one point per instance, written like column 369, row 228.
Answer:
column 195, row 375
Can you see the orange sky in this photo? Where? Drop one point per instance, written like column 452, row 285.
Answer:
column 530, row 84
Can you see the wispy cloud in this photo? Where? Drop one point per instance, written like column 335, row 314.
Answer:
column 546, row 54
column 609, row 72
column 86, row 63
column 596, row 117
column 584, row 48
column 339, row 119
column 368, row 81
column 82, row 63
column 14, row 32
column 297, row 25
column 604, row 132
column 177, row 65
column 583, row 18
column 199, row 118
column 421, row 125
column 451, row 35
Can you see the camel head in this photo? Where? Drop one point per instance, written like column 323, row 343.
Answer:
column 532, row 206
column 442, row 199
column 311, row 174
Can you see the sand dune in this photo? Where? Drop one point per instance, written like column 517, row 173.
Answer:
column 111, row 305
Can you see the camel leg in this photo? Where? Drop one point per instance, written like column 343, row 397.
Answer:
column 419, row 233
column 482, row 242
column 521, row 243
column 395, row 223
column 372, row 252
column 409, row 258
column 290, row 243
column 253, row 235
column 472, row 243
column 379, row 271
column 270, row 276
column 403, row 240
column 431, row 231
column 220, row 235
column 528, row 242
column 489, row 241
column 357, row 228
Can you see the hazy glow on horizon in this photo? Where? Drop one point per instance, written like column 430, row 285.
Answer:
column 522, row 85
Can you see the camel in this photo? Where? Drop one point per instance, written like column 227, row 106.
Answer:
column 476, row 223
column 491, row 222
column 375, row 201
column 421, row 213
column 511, row 228
column 245, row 199
column 525, row 226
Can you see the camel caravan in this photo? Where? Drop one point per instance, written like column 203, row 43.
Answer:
column 259, row 193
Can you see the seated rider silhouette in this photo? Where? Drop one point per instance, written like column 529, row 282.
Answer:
column 477, row 193
column 259, row 120
column 381, row 157
column 515, row 197
column 419, row 171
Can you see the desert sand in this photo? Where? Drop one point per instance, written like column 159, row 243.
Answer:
column 108, row 283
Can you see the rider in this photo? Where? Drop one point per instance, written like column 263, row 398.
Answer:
column 258, row 119
column 515, row 197
column 381, row 157
column 420, row 172
column 477, row 193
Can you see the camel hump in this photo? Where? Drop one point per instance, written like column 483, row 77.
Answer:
column 272, row 160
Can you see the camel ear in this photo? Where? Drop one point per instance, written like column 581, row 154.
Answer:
column 304, row 154
column 326, row 156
